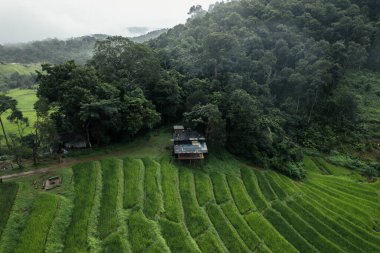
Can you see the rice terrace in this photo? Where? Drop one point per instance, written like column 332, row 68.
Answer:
column 202, row 126
column 150, row 204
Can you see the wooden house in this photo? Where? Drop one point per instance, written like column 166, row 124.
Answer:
column 188, row 144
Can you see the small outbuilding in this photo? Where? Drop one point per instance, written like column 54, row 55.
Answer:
column 52, row 183
column 188, row 144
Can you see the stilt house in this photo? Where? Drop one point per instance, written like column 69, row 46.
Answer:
column 188, row 144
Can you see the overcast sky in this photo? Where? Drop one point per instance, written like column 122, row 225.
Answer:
column 27, row 20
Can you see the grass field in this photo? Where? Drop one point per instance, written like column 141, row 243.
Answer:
column 147, row 203
column 25, row 101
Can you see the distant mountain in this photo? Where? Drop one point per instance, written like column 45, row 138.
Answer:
column 79, row 49
column 149, row 35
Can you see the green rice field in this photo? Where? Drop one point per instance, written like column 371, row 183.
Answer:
column 150, row 204
column 25, row 101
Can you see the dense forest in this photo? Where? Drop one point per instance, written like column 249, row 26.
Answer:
column 261, row 78
column 58, row 51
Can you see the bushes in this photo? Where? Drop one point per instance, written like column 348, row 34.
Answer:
column 246, row 234
column 133, row 176
column 226, row 232
column 142, row 232
column 153, row 196
column 274, row 241
column 34, row 236
column 107, row 220
column 240, row 195
column 176, row 237
column 85, row 181
column 221, row 192
column 172, row 199
column 8, row 193
column 203, row 188
column 195, row 218
column 253, row 189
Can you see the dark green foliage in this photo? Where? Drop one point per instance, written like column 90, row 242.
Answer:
column 107, row 220
column 227, row 233
column 8, row 193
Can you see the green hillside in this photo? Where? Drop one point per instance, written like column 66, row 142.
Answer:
column 151, row 204
column 8, row 72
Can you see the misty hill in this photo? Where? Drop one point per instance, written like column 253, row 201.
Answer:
column 79, row 49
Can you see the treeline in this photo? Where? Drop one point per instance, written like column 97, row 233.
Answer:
column 57, row 51
column 260, row 77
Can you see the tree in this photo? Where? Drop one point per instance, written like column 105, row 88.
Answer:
column 208, row 120
column 6, row 103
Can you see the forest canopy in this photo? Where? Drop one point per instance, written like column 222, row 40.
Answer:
column 262, row 78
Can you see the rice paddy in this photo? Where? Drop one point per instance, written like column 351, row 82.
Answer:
column 147, row 205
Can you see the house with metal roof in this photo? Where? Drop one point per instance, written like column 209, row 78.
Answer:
column 188, row 144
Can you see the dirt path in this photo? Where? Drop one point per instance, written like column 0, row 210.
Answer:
column 66, row 163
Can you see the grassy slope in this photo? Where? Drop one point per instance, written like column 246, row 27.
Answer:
column 217, row 206
column 6, row 70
